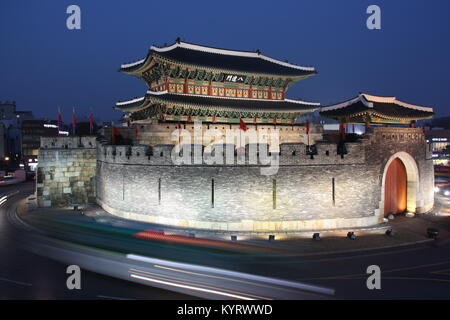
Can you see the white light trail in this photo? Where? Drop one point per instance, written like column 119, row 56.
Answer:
column 236, row 274
column 191, row 287
column 3, row 200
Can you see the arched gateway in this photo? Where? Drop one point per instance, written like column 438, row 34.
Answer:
column 400, row 184
column 395, row 188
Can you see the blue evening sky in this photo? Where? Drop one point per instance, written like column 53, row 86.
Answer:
column 43, row 65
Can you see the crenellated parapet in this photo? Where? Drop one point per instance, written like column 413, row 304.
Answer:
column 68, row 142
column 290, row 154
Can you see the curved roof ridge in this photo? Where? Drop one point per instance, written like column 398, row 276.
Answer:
column 369, row 99
column 132, row 64
column 341, row 104
column 250, row 54
column 302, row 102
column 412, row 106
column 121, row 103
column 382, row 99
column 374, row 98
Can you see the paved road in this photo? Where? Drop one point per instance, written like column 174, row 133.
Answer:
column 24, row 275
column 418, row 271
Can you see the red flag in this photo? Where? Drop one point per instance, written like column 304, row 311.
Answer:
column 242, row 125
column 74, row 121
column 115, row 134
column 136, row 131
column 342, row 131
column 91, row 122
column 367, row 125
column 307, row 126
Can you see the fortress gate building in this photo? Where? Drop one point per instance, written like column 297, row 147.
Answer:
column 323, row 181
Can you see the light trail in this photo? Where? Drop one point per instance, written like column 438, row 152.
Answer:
column 3, row 200
column 236, row 274
column 190, row 287
column 188, row 282
column 219, row 277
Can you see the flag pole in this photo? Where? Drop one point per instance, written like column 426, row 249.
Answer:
column 91, row 122
column 73, row 121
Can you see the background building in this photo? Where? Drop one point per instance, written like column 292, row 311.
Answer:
column 440, row 145
column 31, row 133
column 11, row 120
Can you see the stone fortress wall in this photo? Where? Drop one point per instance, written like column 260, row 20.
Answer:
column 319, row 192
column 66, row 171
column 325, row 191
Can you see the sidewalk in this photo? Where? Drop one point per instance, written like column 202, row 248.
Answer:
column 407, row 231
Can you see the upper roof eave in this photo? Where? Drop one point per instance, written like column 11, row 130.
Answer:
column 387, row 107
column 302, row 70
column 368, row 100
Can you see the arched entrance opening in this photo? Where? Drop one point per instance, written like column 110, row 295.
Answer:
column 395, row 188
column 400, row 184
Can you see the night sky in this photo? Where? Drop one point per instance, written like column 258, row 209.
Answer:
column 43, row 65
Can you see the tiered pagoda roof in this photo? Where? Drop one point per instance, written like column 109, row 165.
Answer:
column 376, row 109
column 173, row 106
column 220, row 60
column 189, row 81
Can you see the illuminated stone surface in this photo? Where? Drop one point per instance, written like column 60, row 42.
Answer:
column 135, row 183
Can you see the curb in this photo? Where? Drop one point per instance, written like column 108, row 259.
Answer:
column 361, row 249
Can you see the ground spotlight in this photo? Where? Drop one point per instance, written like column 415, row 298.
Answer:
column 316, row 236
column 432, row 233
column 351, row 235
column 390, row 232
